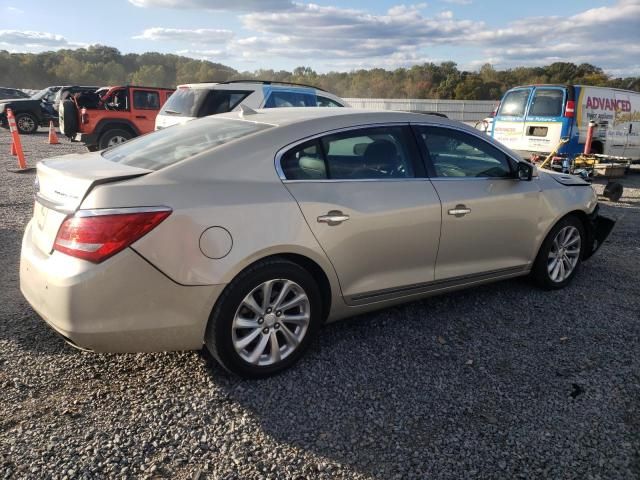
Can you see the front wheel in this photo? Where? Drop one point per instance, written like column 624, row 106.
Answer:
column 265, row 319
column 26, row 123
column 560, row 255
column 113, row 137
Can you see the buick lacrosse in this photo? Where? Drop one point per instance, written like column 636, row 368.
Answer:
column 245, row 232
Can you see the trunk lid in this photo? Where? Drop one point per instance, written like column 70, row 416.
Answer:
column 63, row 183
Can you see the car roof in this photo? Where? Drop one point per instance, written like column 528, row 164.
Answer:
column 290, row 115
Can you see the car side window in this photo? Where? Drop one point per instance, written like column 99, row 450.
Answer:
column 146, row 100
column 453, row 153
column 222, row 101
column 326, row 102
column 304, row 162
column 279, row 99
column 369, row 153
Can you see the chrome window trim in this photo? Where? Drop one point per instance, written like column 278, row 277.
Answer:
column 290, row 146
column 343, row 180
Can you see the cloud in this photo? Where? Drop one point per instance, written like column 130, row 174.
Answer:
column 198, row 35
column 332, row 36
column 31, row 39
column 231, row 6
column 331, row 32
column 459, row 2
column 15, row 10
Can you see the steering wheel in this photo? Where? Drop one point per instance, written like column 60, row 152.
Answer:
column 449, row 170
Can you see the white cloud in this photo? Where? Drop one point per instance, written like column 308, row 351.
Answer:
column 459, row 2
column 198, row 35
column 231, row 6
column 31, row 39
column 333, row 36
column 15, row 10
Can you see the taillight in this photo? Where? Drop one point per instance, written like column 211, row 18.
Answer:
column 570, row 109
column 84, row 116
column 96, row 235
column 495, row 110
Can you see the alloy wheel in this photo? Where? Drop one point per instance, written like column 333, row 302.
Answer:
column 117, row 140
column 564, row 254
column 271, row 322
column 26, row 124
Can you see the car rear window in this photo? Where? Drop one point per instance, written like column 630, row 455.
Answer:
column 547, row 102
column 171, row 145
column 185, row 102
column 514, row 103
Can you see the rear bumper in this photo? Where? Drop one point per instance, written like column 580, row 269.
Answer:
column 121, row 305
column 599, row 229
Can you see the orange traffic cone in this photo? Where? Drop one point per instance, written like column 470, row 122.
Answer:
column 53, row 137
column 14, row 152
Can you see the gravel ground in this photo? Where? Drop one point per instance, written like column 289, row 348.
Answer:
column 501, row 381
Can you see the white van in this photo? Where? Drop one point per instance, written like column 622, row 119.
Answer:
column 532, row 120
column 195, row 100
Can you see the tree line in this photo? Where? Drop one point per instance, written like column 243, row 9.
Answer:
column 102, row 65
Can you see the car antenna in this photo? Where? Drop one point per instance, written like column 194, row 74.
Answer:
column 244, row 110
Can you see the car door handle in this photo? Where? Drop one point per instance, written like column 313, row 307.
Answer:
column 459, row 211
column 334, row 217
column 140, row 116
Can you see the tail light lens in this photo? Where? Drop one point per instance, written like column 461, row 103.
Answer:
column 570, row 109
column 84, row 116
column 96, row 235
column 495, row 110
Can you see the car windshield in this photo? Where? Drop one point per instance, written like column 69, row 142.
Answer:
column 184, row 102
column 171, row 145
column 514, row 103
column 40, row 94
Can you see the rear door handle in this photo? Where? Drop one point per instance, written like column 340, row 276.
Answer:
column 459, row 211
column 140, row 116
column 334, row 217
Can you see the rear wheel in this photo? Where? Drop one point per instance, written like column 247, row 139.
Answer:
column 560, row 254
column 26, row 123
column 265, row 319
column 113, row 137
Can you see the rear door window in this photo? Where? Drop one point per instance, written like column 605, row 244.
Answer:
column 146, row 100
column 304, row 162
column 514, row 103
column 222, row 101
column 326, row 102
column 547, row 102
column 279, row 99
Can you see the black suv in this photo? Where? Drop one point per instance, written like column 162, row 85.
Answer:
column 11, row 93
column 32, row 112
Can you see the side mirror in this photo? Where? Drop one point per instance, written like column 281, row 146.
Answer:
column 524, row 171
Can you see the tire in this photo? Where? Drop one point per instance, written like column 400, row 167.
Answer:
column 26, row 123
column 225, row 333
column 547, row 272
column 114, row 136
column 68, row 118
column 613, row 191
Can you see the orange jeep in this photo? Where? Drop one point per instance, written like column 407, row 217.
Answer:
column 111, row 115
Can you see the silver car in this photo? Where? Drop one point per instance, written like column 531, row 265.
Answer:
column 245, row 232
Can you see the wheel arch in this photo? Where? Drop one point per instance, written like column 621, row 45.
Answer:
column 584, row 219
column 105, row 125
column 304, row 261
